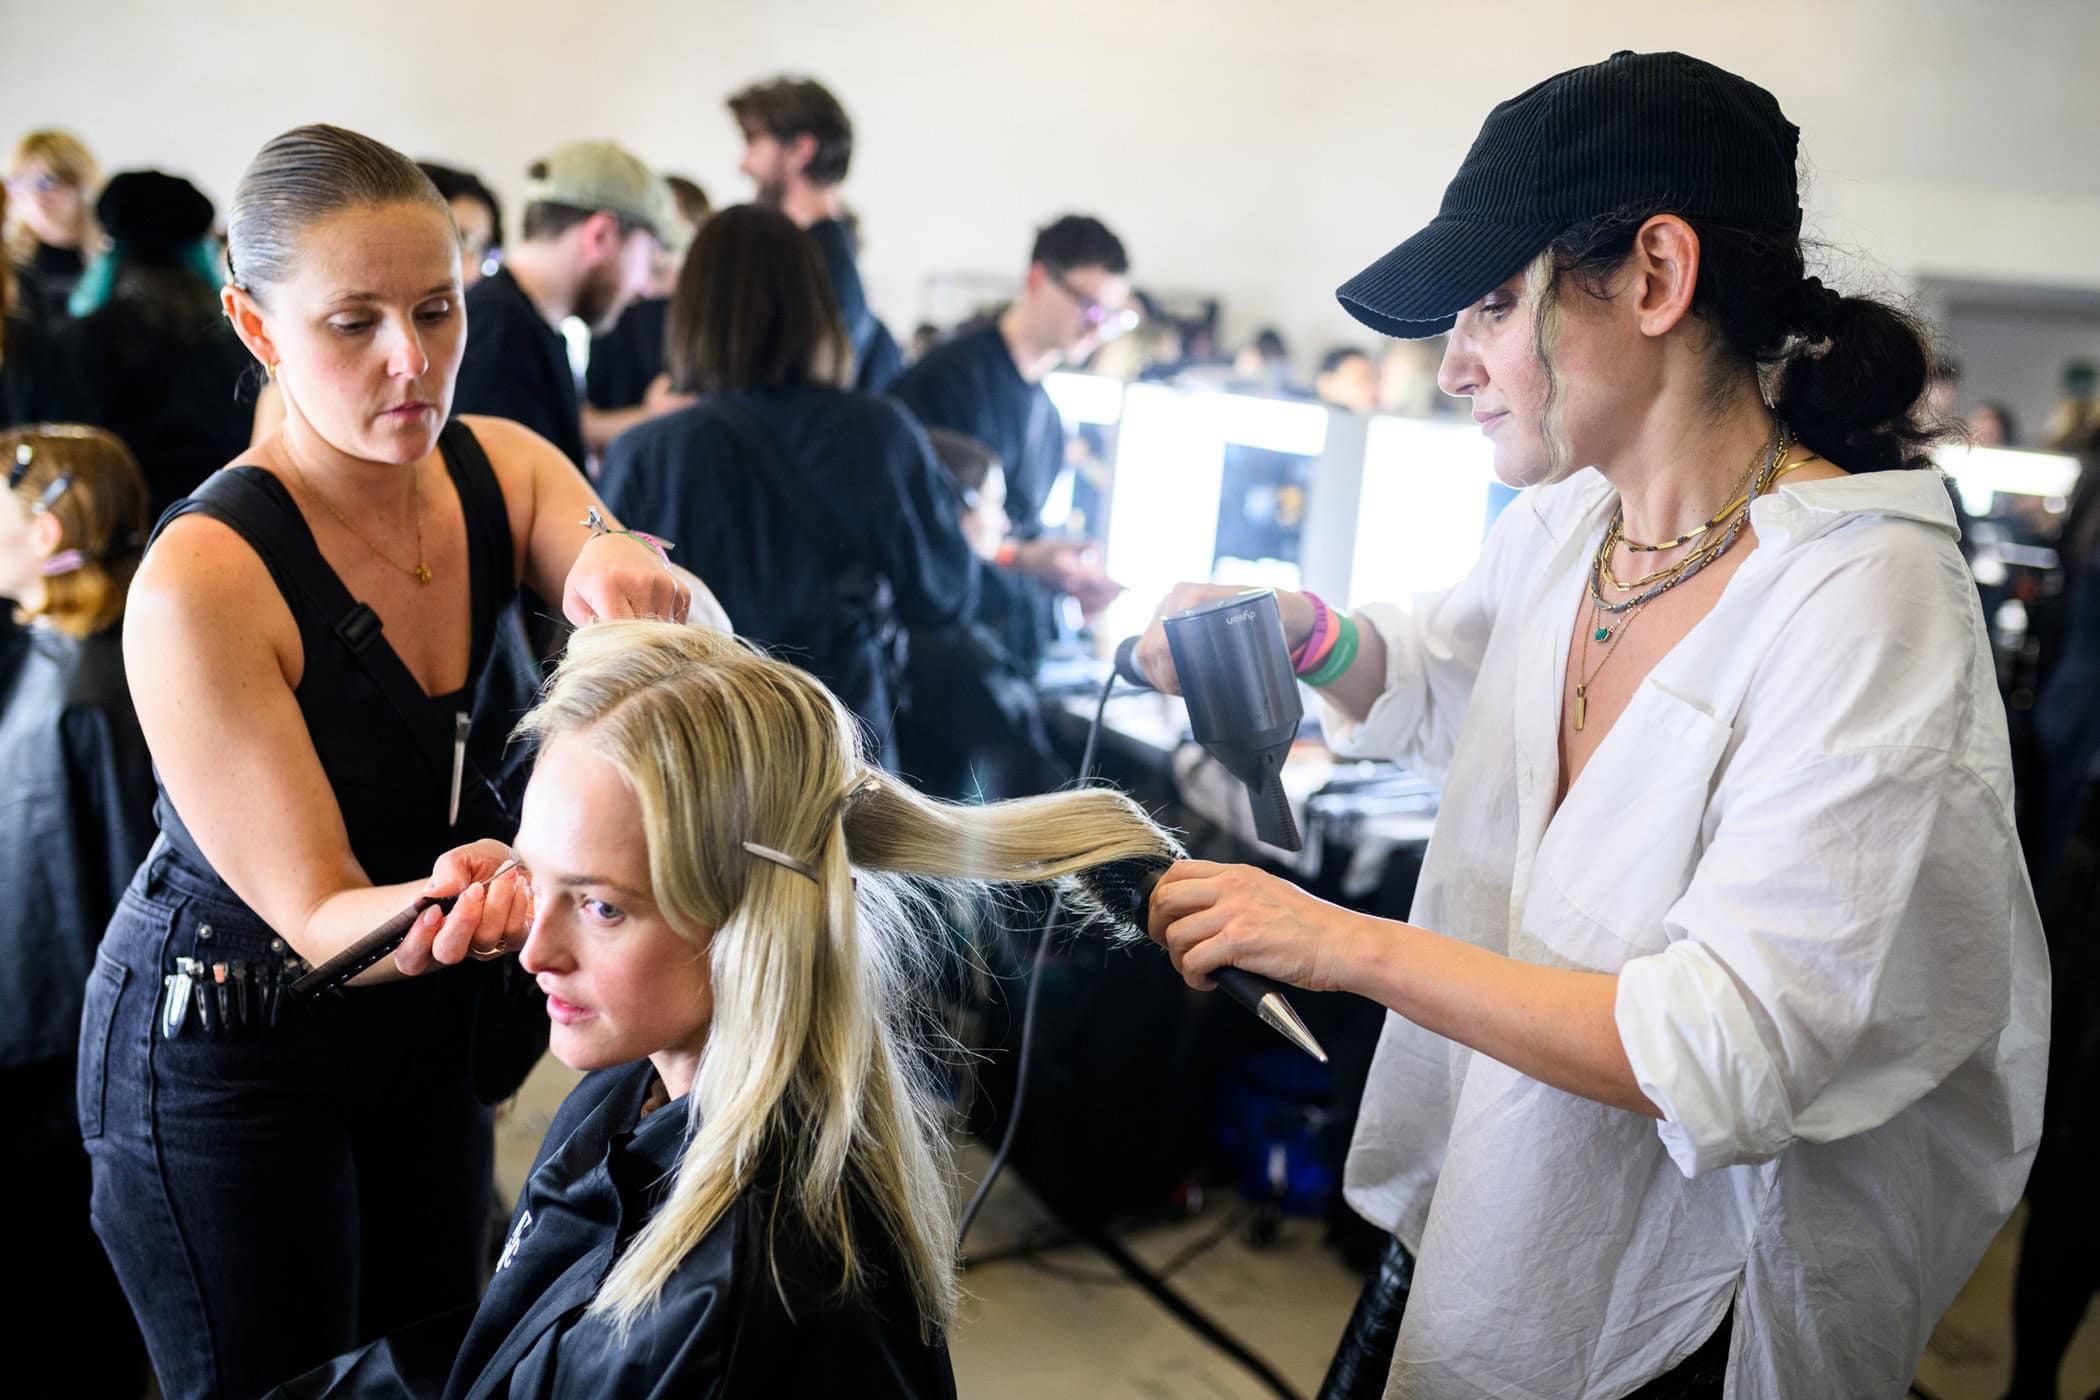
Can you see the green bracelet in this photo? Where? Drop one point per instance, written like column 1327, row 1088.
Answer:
column 1340, row 657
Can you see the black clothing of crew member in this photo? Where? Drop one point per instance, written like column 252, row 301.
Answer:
column 172, row 392
column 516, row 366
column 275, row 1187
column 876, row 359
column 35, row 385
column 720, row 1327
column 971, row 385
column 822, row 520
column 76, row 817
column 46, row 283
column 627, row 358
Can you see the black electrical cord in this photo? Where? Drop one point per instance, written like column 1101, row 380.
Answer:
column 1130, row 1266
column 1035, row 982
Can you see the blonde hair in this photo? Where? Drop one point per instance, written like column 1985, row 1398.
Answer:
column 101, row 513
column 816, row 1050
column 69, row 159
column 1542, row 296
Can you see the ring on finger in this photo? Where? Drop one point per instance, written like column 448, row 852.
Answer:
column 502, row 947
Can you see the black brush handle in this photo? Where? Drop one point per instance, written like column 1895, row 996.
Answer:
column 1246, row 988
column 369, row 949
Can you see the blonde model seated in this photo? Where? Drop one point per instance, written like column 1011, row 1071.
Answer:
column 751, row 1193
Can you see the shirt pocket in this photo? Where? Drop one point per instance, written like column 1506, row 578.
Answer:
column 1623, row 846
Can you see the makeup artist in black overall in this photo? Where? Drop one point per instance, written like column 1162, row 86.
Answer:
column 276, row 1180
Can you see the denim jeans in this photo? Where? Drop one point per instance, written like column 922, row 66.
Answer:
column 273, row 1195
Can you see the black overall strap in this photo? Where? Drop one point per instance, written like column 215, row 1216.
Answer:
column 491, row 550
column 236, row 498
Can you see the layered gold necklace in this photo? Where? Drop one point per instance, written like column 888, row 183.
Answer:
column 1610, row 621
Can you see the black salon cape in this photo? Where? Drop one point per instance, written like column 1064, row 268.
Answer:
column 865, row 495
column 76, row 818
column 876, row 359
column 516, row 366
column 719, row 1329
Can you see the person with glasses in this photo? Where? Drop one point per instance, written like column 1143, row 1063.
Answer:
column 51, row 183
column 76, row 818
column 988, row 383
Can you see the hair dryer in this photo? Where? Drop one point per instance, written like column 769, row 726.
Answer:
column 1244, row 710
column 1242, row 695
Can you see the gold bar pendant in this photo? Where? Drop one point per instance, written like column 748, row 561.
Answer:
column 1580, row 706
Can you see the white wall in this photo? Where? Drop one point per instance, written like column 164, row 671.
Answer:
column 1261, row 150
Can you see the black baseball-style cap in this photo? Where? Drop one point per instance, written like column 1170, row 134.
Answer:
column 1640, row 130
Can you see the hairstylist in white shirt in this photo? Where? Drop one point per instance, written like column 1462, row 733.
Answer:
column 1717, row 1038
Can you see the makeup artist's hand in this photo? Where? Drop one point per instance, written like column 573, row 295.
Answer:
column 617, row 575
column 1208, row 915
column 489, row 919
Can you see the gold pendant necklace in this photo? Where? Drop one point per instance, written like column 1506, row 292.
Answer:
column 421, row 572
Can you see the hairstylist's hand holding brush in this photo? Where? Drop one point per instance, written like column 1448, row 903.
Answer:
column 1209, row 916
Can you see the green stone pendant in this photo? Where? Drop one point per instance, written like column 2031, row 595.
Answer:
column 1602, row 634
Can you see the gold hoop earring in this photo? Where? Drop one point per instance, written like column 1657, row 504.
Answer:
column 270, row 369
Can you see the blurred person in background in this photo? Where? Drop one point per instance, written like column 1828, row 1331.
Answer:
column 34, row 385
column 479, row 216
column 2077, row 416
column 1347, row 380
column 988, row 383
column 924, row 337
column 1407, row 378
column 825, row 520
column 1263, row 364
column 50, row 233
column 627, row 360
column 590, row 239
column 978, row 732
column 2059, row 1268
column 76, row 817
column 1991, row 425
column 149, row 351
column 798, row 145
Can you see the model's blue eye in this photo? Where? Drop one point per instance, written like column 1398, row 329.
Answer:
column 601, row 911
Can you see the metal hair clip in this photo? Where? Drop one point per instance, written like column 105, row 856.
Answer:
column 24, row 455
column 784, row 861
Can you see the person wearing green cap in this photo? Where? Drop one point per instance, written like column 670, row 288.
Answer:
column 1718, row 1030
column 594, row 216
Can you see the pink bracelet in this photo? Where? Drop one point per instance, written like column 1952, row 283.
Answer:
column 1321, row 640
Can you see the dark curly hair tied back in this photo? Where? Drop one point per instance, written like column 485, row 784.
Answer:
column 1846, row 373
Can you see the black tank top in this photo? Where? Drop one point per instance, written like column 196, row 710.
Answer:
column 392, row 753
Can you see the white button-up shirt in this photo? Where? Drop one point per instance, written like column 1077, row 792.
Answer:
column 1796, row 850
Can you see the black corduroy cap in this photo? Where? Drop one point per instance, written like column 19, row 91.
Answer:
column 1641, row 131
column 151, row 210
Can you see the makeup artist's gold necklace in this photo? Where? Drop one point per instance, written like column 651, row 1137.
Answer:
column 421, row 572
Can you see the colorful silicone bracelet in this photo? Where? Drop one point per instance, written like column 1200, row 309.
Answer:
column 1340, row 659
column 1315, row 641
